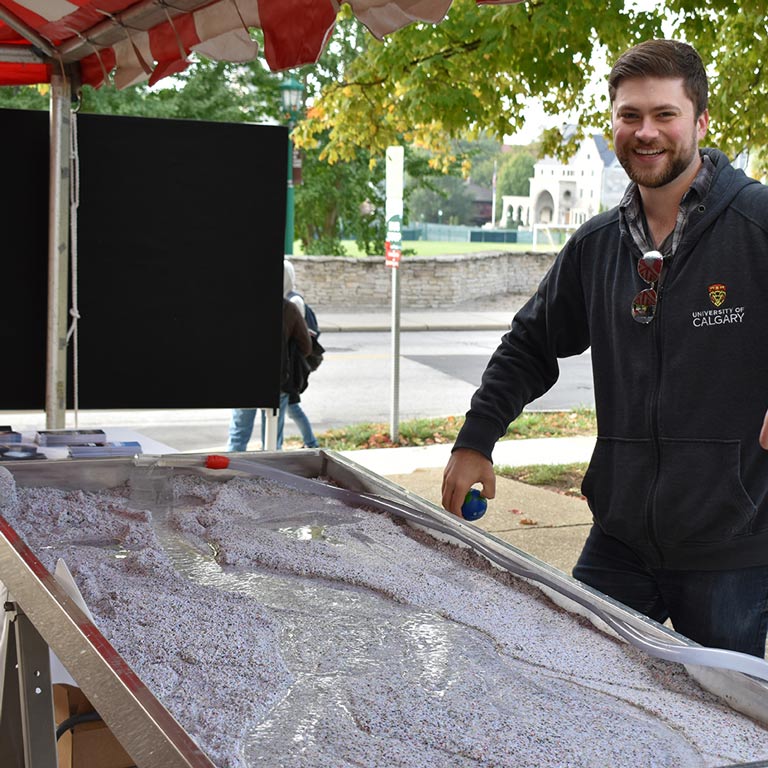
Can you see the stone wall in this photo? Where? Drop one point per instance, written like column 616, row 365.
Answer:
column 425, row 282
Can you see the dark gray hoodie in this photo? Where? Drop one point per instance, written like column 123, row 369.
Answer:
column 677, row 474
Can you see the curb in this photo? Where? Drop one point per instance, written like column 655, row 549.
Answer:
column 331, row 327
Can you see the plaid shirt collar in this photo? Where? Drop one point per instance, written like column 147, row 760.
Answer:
column 631, row 207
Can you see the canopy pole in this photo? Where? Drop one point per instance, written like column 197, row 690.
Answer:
column 58, row 253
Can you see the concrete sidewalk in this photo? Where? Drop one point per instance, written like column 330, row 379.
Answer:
column 548, row 525
column 415, row 320
column 514, row 453
column 489, row 314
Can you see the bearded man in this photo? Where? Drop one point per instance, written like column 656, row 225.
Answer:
column 670, row 292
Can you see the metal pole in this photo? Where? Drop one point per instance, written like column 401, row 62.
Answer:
column 271, row 414
column 493, row 197
column 394, row 217
column 289, row 199
column 58, row 254
column 270, row 429
column 394, row 423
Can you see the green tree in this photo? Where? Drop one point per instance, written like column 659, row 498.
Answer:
column 445, row 200
column 207, row 90
column 429, row 84
column 473, row 72
column 347, row 199
column 348, row 195
column 478, row 157
column 732, row 38
column 515, row 174
column 25, row 97
column 514, row 179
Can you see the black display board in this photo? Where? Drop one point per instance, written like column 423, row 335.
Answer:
column 180, row 251
column 23, row 258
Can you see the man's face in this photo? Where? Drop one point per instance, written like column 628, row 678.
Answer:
column 655, row 130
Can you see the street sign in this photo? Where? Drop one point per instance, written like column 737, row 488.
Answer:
column 393, row 243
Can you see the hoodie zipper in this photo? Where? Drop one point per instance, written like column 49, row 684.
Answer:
column 650, row 507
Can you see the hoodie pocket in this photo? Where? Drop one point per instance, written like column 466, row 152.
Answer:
column 701, row 499
column 617, row 485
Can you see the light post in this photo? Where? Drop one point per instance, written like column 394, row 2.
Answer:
column 291, row 98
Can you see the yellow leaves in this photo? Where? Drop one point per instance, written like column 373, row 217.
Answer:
column 399, row 90
column 345, row 12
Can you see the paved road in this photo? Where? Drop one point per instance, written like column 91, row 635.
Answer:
column 439, row 371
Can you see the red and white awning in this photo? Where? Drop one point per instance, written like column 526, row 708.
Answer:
column 151, row 39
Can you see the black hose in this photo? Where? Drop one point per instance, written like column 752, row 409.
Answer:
column 71, row 722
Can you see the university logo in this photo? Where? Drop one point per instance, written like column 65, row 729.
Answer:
column 717, row 294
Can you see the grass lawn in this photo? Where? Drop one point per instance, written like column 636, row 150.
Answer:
column 415, row 432
column 439, row 248
column 562, row 478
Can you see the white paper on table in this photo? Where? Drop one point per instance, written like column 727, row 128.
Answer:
column 66, row 581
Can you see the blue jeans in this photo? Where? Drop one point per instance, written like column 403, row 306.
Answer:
column 720, row 609
column 299, row 418
column 241, row 426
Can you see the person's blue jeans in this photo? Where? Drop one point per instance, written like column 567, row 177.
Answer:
column 299, row 418
column 720, row 609
column 241, row 426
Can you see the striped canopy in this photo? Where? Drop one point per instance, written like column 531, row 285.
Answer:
column 151, row 39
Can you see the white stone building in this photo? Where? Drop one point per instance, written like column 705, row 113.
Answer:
column 564, row 196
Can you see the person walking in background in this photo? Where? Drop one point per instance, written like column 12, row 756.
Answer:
column 295, row 333
column 295, row 411
column 669, row 291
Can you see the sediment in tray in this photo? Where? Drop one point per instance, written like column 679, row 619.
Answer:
column 282, row 628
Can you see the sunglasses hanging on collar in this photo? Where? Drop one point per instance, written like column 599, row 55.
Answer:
column 649, row 267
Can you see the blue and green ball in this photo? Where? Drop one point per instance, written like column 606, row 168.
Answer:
column 474, row 506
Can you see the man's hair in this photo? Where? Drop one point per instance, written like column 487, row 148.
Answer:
column 663, row 58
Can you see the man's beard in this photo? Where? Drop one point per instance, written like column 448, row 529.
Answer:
column 658, row 177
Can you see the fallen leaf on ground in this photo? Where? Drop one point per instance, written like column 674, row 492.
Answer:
column 528, row 521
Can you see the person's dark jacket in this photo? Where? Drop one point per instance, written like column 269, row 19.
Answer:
column 677, row 473
column 297, row 344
